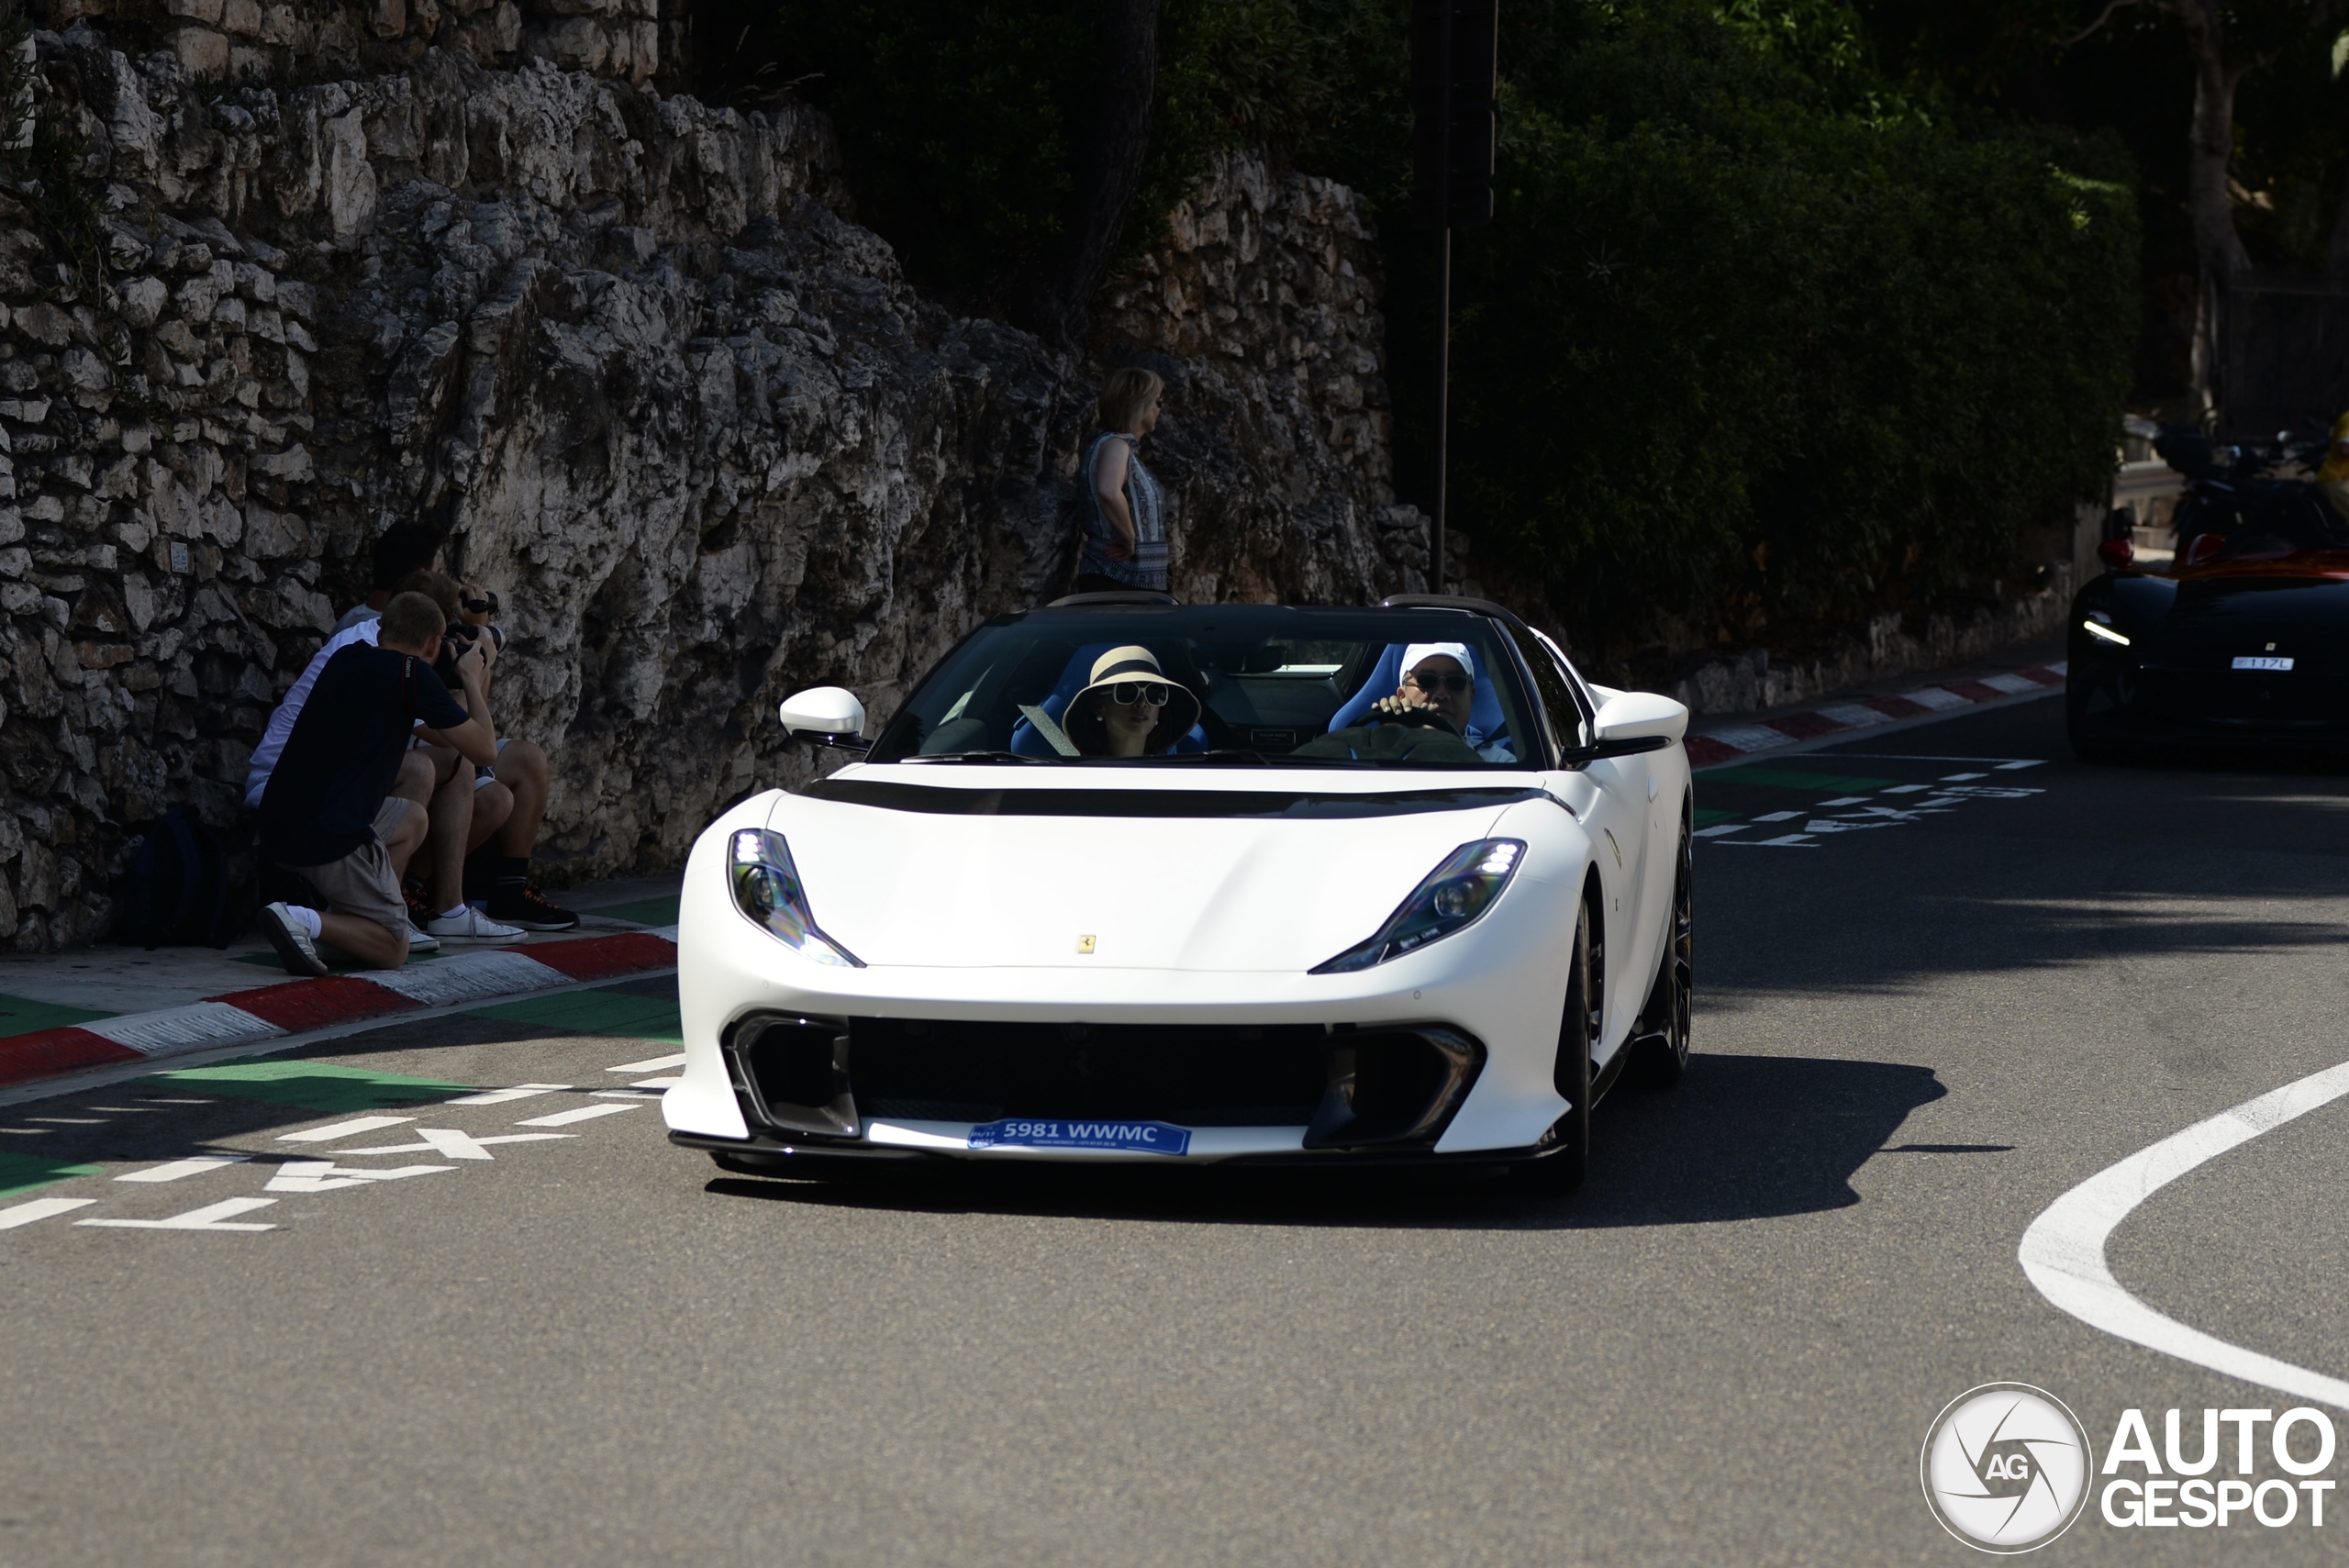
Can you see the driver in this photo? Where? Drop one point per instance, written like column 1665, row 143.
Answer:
column 1439, row 679
column 2332, row 479
column 1130, row 709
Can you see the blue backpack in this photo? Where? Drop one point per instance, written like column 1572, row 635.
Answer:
column 177, row 892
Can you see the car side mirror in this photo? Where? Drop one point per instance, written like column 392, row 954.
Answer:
column 826, row 716
column 1630, row 723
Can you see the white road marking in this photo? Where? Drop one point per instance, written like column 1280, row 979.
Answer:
column 657, row 1083
column 18, row 1214
column 1846, row 800
column 584, row 1113
column 326, row 1177
column 1787, row 841
column 649, row 1064
column 2025, row 762
column 1700, row 833
column 631, row 1093
column 503, row 1097
column 344, row 1128
column 1907, row 789
column 211, row 1216
column 452, row 1144
column 1961, row 778
column 2063, row 1252
column 1779, row 816
column 178, row 1168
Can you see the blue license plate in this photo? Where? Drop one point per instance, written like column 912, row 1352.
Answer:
column 1135, row 1137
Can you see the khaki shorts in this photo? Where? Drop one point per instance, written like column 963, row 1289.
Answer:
column 362, row 883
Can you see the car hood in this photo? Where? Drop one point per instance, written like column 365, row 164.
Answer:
column 2208, row 618
column 992, row 869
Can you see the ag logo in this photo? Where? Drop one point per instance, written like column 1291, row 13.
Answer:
column 2005, row 1467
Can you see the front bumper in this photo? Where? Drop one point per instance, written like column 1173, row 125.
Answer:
column 1451, row 1050
column 2153, row 705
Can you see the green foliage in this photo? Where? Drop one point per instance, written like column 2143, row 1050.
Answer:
column 1733, row 353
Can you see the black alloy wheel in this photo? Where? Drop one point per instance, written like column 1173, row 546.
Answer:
column 1560, row 1171
column 2090, row 730
column 1664, row 1023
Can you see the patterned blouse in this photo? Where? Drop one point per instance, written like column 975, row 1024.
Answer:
column 1146, row 568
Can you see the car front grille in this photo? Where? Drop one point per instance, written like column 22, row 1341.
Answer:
column 1349, row 1088
column 1192, row 1076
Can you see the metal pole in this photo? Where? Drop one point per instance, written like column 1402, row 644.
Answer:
column 1443, row 401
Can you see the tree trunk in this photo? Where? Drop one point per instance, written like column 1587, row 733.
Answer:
column 1051, row 295
column 2211, row 143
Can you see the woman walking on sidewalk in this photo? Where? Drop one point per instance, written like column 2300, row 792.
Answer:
column 1125, row 511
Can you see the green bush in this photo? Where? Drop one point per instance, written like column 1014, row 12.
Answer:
column 1763, row 351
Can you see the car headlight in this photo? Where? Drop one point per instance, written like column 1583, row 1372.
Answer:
column 767, row 889
column 2099, row 625
column 1454, row 896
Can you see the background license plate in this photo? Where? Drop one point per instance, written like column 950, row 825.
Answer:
column 2257, row 662
column 1139, row 1136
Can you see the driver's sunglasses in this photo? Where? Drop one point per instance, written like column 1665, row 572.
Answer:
column 1440, row 683
column 1125, row 694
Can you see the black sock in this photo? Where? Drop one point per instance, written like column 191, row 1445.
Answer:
column 513, row 872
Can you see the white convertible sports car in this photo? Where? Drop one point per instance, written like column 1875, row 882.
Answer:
column 1128, row 880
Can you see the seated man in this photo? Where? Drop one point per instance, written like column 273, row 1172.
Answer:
column 327, row 813
column 1427, row 719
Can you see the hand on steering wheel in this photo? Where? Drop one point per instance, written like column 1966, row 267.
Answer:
column 1409, row 715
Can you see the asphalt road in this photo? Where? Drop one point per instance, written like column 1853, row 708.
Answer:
column 1914, row 1033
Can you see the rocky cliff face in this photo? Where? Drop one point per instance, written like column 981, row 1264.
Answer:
column 632, row 355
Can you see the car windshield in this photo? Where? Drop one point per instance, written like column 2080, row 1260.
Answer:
column 1237, row 684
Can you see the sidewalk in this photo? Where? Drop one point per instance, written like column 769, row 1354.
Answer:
column 97, row 1007
column 2035, row 670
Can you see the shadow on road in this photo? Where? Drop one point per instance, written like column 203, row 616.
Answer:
column 1743, row 1138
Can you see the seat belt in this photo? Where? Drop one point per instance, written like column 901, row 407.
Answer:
column 1054, row 736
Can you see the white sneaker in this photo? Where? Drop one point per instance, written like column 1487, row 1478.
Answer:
column 295, row 948
column 421, row 942
column 470, row 925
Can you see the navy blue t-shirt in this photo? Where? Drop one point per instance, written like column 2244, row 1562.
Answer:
column 344, row 753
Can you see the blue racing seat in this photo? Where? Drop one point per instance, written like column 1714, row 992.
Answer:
column 1074, row 676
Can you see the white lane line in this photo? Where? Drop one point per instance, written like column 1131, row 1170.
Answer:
column 2063, row 1250
column 2025, row 762
column 1779, row 816
column 564, row 1119
column 649, row 1064
column 451, row 1144
column 1907, row 789
column 1700, row 833
column 344, row 1128
column 178, row 1168
column 1961, row 778
column 18, row 1214
column 326, row 1177
column 503, row 1097
column 211, row 1216
column 631, row 1093
column 1846, row 800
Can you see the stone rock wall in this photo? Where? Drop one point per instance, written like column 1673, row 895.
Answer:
column 629, row 354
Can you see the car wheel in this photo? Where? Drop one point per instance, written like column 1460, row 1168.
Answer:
column 2091, row 733
column 1560, row 1171
column 1664, row 1022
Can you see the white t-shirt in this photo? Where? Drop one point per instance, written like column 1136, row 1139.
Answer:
column 280, row 722
column 355, row 615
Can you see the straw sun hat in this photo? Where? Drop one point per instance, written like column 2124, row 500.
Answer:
column 1130, row 663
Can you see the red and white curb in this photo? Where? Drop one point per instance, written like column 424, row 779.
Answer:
column 300, row 1006
column 1730, row 743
